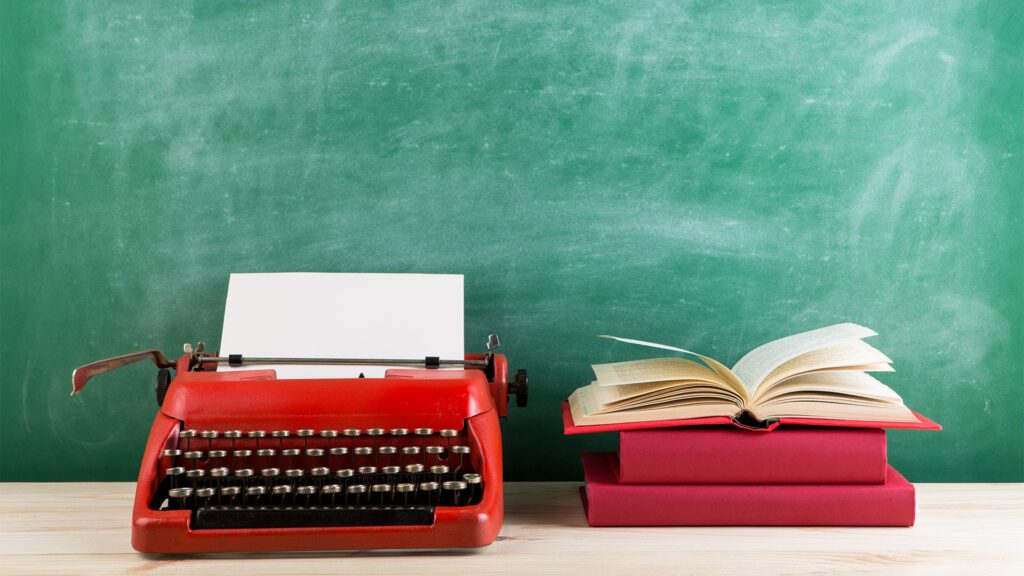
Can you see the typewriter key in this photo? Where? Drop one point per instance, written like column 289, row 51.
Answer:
column 233, row 435
column 241, row 453
column 345, row 473
column 171, row 453
column 195, row 473
column 229, row 492
column 399, row 431
column 387, row 450
column 430, row 488
column 192, row 455
column 255, row 492
column 292, row 452
column 436, row 451
column 455, row 487
column 319, row 473
column 218, row 472
column 306, row 491
column 374, row 431
column 173, row 474
column 339, row 451
column 351, row 432
column 188, row 435
column 405, row 489
column 331, row 490
column 304, row 433
column 282, row 490
column 413, row 468
column 243, row 473
column 270, row 472
column 280, row 434
column 391, row 469
column 439, row 469
column 179, row 497
column 294, row 472
column 367, row 469
column 356, row 491
column 204, row 494
column 218, row 453
column 382, row 489
column 424, row 431
column 449, row 433
column 461, row 451
column 314, row 452
column 256, row 435
column 473, row 480
column 210, row 435
column 328, row 433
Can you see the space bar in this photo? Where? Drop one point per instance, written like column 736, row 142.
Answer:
column 240, row 517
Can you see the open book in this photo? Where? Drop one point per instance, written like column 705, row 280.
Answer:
column 819, row 374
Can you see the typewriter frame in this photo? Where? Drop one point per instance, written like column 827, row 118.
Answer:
column 201, row 398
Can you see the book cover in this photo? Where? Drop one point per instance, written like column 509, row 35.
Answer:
column 729, row 455
column 608, row 503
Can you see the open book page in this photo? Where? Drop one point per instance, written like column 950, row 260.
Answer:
column 653, row 370
column 587, row 410
column 720, row 369
column 846, row 355
column 846, row 395
column 753, row 368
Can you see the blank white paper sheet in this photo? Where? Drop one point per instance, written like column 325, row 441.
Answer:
column 322, row 315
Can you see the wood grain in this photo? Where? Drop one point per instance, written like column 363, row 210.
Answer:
column 962, row 528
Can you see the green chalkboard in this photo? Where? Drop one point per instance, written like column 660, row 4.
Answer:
column 709, row 174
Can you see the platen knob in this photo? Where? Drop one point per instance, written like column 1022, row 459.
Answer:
column 520, row 386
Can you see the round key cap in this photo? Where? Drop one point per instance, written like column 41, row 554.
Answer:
column 171, row 453
column 399, row 431
column 460, row 449
column 209, row 434
column 314, row 452
column 424, row 431
column 179, row 495
column 410, row 450
column 187, row 433
column 328, row 433
column 449, row 433
column 378, row 488
column 230, row 491
column 471, row 478
column 176, row 471
column 330, row 489
column 266, row 452
column 414, row 468
column 218, row 453
column 345, row 473
column 390, row 469
column 439, row 469
column 291, row 452
column 281, row 489
column 319, row 471
column 454, row 485
column 367, row 469
column 429, row 486
column 256, row 434
column 434, row 450
column 233, row 434
column 293, row 472
column 280, row 433
column 339, row 451
column 218, row 472
column 374, row 431
column 243, row 473
column 305, row 490
column 256, row 490
column 193, row 454
column 387, row 450
column 404, row 487
column 304, row 433
column 242, row 453
column 197, row 473
column 351, row 432
column 356, row 489
column 205, row 492
column 362, row 451
column 270, row 472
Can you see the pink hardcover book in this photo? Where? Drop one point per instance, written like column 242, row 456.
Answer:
column 609, row 503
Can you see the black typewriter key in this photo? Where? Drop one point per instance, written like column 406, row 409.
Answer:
column 382, row 491
column 179, row 497
column 472, row 479
column 405, row 489
column 282, row 491
column 306, row 492
column 174, row 473
column 188, row 435
column 210, row 436
column 203, row 496
column 253, row 494
column 455, row 489
column 330, row 490
column 462, row 451
column 229, row 493
column 355, row 492
column 430, row 490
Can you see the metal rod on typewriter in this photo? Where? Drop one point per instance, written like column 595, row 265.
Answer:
column 240, row 360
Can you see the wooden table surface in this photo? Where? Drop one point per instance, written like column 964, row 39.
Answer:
column 961, row 529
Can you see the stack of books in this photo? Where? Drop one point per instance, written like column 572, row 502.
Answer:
column 805, row 445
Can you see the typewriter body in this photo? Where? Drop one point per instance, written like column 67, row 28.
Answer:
column 241, row 461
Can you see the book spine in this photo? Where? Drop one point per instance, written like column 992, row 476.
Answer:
column 723, row 455
column 610, row 504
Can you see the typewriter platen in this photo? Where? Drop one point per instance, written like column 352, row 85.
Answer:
column 240, row 461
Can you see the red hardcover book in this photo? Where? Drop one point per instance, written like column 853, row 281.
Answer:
column 730, row 455
column 608, row 503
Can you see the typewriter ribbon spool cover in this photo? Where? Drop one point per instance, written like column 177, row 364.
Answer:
column 340, row 413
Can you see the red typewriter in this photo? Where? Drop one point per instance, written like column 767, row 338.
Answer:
column 240, row 461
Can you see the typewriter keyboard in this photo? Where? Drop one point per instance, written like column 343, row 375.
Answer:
column 295, row 478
